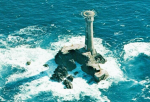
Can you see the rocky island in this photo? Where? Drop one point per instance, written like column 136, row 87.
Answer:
column 84, row 54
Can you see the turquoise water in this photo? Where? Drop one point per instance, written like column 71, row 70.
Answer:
column 35, row 30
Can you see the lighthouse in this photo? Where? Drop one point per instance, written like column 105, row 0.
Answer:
column 85, row 55
column 89, row 18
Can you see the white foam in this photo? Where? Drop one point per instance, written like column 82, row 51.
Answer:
column 134, row 49
column 122, row 25
column 29, row 30
column 20, row 55
column 2, row 99
column 17, row 57
column 113, row 69
column 118, row 33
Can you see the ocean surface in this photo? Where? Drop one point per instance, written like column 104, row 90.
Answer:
column 35, row 30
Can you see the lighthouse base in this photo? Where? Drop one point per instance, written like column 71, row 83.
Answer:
column 68, row 55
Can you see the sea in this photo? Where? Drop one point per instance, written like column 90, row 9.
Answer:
column 35, row 30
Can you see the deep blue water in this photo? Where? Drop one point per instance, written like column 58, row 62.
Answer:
column 34, row 30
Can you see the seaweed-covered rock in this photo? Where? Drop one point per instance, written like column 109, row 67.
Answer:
column 81, row 55
column 68, row 84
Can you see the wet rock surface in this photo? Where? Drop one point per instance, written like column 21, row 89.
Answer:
column 75, row 73
column 59, row 74
column 90, row 68
column 45, row 65
column 99, row 58
column 28, row 63
column 68, row 84
column 101, row 75
column 65, row 60
column 70, row 78
column 68, row 55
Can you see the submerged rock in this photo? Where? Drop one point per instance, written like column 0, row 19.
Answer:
column 75, row 73
column 68, row 84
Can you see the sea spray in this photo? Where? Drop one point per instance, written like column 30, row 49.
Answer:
column 41, row 81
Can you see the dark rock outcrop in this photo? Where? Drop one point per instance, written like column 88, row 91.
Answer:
column 101, row 75
column 75, row 73
column 99, row 58
column 45, row 65
column 68, row 84
column 90, row 68
column 65, row 60
column 28, row 63
column 80, row 55
column 59, row 74
column 70, row 78
column 57, row 77
column 62, row 70
column 90, row 63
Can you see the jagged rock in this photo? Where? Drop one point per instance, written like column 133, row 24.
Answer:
column 68, row 84
column 69, row 54
column 81, row 56
column 90, row 68
column 101, row 75
column 59, row 74
column 70, row 64
column 90, row 63
column 62, row 70
column 65, row 60
column 45, row 65
column 28, row 63
column 58, row 58
column 70, row 78
column 57, row 77
column 99, row 58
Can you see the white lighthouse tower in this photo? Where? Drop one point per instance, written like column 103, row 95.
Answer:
column 89, row 18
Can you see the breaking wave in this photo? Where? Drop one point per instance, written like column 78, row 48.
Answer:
column 33, row 81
